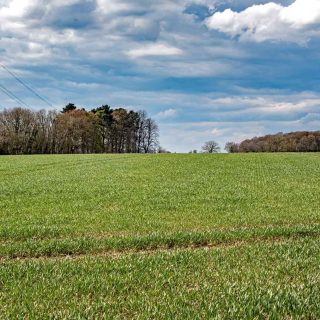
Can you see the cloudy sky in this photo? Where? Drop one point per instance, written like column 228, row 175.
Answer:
column 204, row 69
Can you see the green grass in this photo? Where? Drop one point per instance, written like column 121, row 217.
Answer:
column 98, row 197
column 257, row 215
column 258, row 281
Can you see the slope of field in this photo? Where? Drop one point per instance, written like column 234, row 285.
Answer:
column 77, row 204
column 156, row 236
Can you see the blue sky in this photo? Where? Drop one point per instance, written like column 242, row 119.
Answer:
column 204, row 69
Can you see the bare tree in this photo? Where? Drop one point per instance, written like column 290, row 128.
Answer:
column 231, row 147
column 77, row 132
column 45, row 134
column 211, row 147
column 150, row 136
column 142, row 118
column 18, row 130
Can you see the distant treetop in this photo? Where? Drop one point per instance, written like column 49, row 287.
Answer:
column 301, row 141
column 69, row 107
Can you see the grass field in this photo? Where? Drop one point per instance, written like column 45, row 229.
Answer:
column 160, row 236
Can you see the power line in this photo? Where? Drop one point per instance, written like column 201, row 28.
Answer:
column 12, row 96
column 27, row 86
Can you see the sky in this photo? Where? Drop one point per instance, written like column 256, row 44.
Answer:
column 222, row 70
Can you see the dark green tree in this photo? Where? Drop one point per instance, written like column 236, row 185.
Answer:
column 69, row 107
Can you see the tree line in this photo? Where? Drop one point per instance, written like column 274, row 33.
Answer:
column 304, row 141
column 74, row 130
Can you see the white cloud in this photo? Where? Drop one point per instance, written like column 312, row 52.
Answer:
column 111, row 6
column 16, row 8
column 170, row 113
column 301, row 13
column 123, row 51
column 154, row 49
column 297, row 22
column 295, row 103
column 218, row 132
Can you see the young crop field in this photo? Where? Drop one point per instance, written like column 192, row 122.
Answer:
column 160, row 236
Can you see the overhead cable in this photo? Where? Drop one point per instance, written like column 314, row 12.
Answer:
column 12, row 96
column 26, row 85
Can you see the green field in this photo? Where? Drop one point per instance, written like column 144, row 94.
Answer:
column 160, row 236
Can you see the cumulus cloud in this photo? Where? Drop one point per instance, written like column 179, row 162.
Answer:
column 297, row 22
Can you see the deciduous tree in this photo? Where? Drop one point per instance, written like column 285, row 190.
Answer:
column 211, row 147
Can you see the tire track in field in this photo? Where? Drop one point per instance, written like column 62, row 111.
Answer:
column 6, row 240
column 114, row 254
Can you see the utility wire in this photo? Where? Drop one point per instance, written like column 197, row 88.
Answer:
column 27, row 86
column 12, row 96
